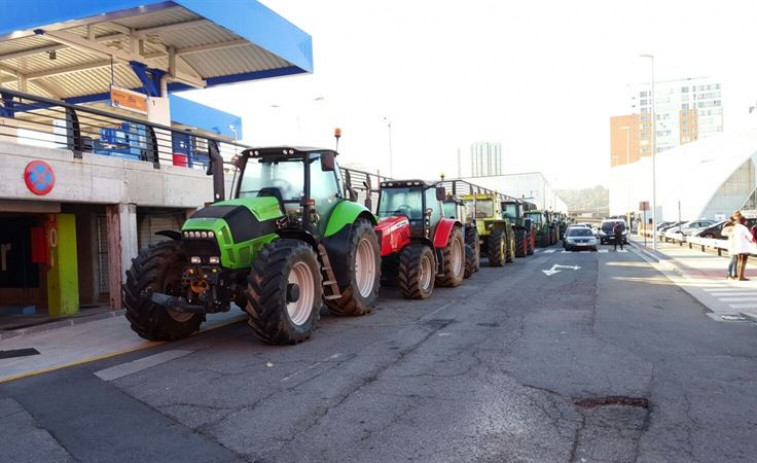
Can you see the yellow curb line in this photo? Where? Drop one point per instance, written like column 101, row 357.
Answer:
column 145, row 345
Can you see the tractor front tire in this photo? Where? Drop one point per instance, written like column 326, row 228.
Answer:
column 158, row 269
column 416, row 272
column 284, row 292
column 521, row 247
column 365, row 273
column 510, row 253
column 454, row 260
column 495, row 244
column 470, row 261
column 472, row 240
column 531, row 241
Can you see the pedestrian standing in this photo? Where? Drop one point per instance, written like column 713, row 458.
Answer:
column 617, row 231
column 742, row 244
column 727, row 231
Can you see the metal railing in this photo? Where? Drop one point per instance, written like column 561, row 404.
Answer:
column 37, row 121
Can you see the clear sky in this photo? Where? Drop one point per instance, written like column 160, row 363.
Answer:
column 541, row 77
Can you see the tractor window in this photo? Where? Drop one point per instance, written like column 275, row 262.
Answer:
column 469, row 208
column 536, row 218
column 434, row 204
column 511, row 210
column 401, row 201
column 450, row 209
column 484, row 208
column 324, row 190
column 284, row 177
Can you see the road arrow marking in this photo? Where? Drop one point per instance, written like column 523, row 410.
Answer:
column 555, row 269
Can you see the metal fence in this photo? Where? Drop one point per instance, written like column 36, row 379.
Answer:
column 37, row 121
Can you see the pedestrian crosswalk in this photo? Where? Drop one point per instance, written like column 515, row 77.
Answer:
column 736, row 298
column 563, row 251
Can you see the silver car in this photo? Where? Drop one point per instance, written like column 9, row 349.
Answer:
column 577, row 238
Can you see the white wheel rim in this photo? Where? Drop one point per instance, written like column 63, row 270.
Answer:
column 365, row 268
column 299, row 310
column 457, row 257
column 425, row 276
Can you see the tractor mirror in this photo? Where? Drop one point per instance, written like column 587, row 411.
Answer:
column 328, row 163
column 441, row 194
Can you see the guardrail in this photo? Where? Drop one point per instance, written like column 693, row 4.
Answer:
column 705, row 244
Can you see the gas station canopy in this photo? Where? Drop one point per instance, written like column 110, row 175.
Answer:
column 74, row 50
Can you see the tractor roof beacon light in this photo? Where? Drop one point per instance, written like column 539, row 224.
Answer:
column 337, row 136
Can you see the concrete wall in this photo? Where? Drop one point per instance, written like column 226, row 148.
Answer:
column 103, row 180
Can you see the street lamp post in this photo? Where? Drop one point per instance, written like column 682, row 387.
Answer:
column 389, row 125
column 654, row 149
column 627, row 129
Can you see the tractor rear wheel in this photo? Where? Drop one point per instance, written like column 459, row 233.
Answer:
column 454, row 260
column 495, row 247
column 284, row 292
column 545, row 241
column 365, row 273
column 521, row 247
column 470, row 261
column 158, row 269
column 416, row 272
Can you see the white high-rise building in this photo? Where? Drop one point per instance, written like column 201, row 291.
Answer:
column 687, row 110
column 486, row 159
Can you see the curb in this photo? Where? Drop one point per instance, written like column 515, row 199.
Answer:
column 60, row 324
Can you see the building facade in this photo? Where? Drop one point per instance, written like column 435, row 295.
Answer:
column 686, row 110
column 486, row 159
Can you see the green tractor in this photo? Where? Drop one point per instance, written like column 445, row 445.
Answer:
column 525, row 234
column 547, row 230
column 496, row 234
column 287, row 242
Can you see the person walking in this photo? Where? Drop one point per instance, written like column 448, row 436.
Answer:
column 742, row 244
column 727, row 231
column 617, row 231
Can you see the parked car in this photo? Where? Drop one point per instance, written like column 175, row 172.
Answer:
column 715, row 231
column 579, row 237
column 606, row 234
column 670, row 228
column 693, row 227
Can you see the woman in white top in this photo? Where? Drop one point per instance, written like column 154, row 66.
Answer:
column 742, row 244
column 727, row 231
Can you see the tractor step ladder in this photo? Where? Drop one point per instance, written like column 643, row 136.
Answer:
column 330, row 285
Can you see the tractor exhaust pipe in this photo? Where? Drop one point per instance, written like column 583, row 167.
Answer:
column 175, row 303
column 215, row 168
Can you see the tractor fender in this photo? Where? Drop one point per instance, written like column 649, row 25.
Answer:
column 443, row 230
column 173, row 234
column 393, row 234
column 346, row 213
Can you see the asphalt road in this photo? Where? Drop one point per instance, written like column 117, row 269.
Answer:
column 606, row 362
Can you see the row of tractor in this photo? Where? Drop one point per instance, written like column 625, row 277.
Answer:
column 293, row 238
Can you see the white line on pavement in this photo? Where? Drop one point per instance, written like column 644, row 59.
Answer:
column 549, row 251
column 739, row 299
column 128, row 368
column 743, row 306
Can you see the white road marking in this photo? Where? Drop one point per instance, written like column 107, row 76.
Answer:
column 743, row 306
column 129, row 368
column 549, row 251
column 739, row 299
column 603, row 251
column 555, row 269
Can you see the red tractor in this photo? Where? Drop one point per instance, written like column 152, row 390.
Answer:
column 419, row 246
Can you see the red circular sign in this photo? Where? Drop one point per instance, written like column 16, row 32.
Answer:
column 39, row 177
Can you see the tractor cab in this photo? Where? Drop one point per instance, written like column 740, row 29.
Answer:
column 414, row 200
column 304, row 182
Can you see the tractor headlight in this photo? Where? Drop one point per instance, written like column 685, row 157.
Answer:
column 211, row 234
column 214, row 260
column 203, row 234
column 194, row 260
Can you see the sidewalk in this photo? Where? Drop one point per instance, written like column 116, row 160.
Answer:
column 68, row 345
column 703, row 276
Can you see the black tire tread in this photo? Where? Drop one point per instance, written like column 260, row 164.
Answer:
column 493, row 247
column 450, row 280
column 352, row 304
column 266, row 290
column 149, row 320
column 408, row 274
column 520, row 243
